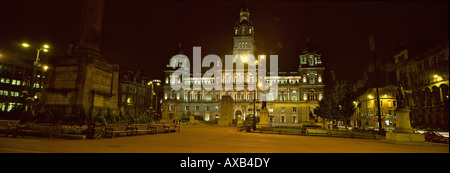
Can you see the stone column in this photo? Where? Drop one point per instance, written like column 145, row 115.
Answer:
column 88, row 43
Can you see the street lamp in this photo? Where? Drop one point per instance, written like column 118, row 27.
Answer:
column 45, row 67
column 151, row 83
column 437, row 78
column 244, row 58
column 44, row 48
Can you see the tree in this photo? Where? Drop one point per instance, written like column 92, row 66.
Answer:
column 337, row 103
column 344, row 99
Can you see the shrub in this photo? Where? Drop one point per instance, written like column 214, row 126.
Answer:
column 74, row 130
column 100, row 119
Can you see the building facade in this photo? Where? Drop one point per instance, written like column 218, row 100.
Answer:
column 423, row 76
column 138, row 94
column 366, row 108
column 298, row 91
column 16, row 76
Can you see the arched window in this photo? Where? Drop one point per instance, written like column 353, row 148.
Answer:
column 282, row 96
column 312, row 95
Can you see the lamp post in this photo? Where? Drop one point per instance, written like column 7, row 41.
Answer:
column 256, row 88
column 372, row 53
column 31, row 86
column 153, row 93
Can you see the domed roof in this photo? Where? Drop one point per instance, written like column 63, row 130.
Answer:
column 244, row 10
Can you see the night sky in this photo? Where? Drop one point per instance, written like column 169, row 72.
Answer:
column 143, row 35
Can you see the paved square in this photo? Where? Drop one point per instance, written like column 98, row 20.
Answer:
column 212, row 139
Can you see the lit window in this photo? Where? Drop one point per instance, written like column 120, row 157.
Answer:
column 319, row 79
column 305, row 97
column 282, row 109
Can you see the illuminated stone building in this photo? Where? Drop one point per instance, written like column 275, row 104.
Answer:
column 422, row 72
column 366, row 109
column 298, row 91
column 138, row 94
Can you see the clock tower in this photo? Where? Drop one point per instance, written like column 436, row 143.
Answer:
column 243, row 35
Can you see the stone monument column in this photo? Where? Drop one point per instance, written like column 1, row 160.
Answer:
column 89, row 33
column 403, row 132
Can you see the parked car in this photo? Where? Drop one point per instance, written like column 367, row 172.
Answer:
column 434, row 136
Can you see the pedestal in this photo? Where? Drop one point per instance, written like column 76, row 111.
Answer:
column 405, row 137
column 226, row 111
column 403, row 132
column 403, row 122
column 263, row 119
